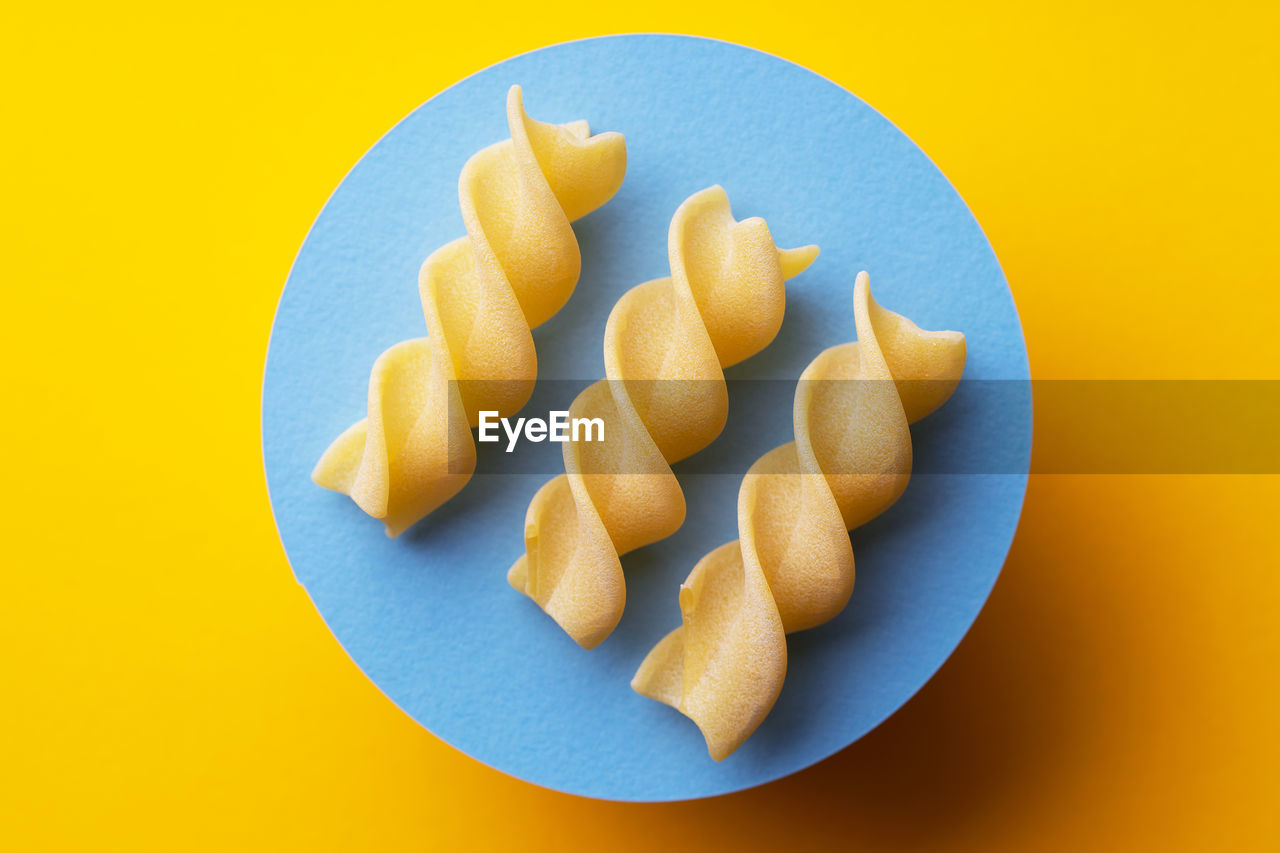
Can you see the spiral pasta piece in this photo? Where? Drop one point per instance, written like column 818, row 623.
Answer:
column 793, row 566
column 665, row 346
column 482, row 295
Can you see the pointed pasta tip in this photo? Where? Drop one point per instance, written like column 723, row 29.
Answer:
column 796, row 261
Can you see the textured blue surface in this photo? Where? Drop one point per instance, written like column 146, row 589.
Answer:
column 430, row 617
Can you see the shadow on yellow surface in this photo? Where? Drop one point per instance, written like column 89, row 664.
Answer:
column 1071, row 694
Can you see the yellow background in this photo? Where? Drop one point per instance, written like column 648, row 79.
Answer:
column 167, row 685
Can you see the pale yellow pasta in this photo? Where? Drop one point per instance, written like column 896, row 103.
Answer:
column 666, row 344
column 482, row 294
column 793, row 566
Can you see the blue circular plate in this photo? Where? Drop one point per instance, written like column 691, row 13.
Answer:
column 430, row 617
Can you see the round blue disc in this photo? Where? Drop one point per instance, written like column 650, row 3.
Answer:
column 430, row 618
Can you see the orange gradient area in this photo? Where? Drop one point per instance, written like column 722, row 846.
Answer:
column 168, row 686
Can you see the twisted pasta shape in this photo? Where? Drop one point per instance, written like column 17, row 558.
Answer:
column 793, row 567
column 482, row 294
column 665, row 346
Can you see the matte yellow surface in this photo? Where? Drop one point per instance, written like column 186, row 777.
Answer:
column 793, row 567
column 663, row 399
column 166, row 683
column 481, row 296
